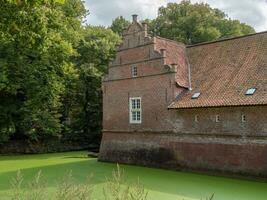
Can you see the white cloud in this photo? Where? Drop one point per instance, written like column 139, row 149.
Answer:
column 102, row 12
column 252, row 12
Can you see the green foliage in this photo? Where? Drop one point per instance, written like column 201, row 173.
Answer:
column 98, row 47
column 51, row 64
column 119, row 24
column 35, row 2
column 51, row 68
column 95, row 51
column 195, row 23
column 35, row 53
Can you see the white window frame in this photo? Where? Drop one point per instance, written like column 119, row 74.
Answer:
column 131, row 110
column 217, row 118
column 134, row 72
column 243, row 118
column 196, row 118
column 195, row 95
column 251, row 91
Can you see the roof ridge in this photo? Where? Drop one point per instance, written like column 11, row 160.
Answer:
column 169, row 40
column 226, row 39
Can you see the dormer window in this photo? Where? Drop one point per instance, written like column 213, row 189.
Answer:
column 195, row 95
column 250, row 91
column 134, row 71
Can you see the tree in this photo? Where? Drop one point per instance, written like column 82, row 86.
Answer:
column 95, row 51
column 35, row 56
column 35, row 2
column 119, row 24
column 195, row 23
column 51, row 68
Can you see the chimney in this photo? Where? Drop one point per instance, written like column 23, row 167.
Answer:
column 134, row 18
column 174, row 67
column 163, row 52
column 145, row 28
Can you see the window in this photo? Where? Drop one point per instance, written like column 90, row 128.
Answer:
column 195, row 95
column 243, row 118
column 250, row 91
column 217, row 118
column 135, row 110
column 134, row 71
column 196, row 118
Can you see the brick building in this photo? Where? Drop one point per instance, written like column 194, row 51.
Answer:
column 199, row 107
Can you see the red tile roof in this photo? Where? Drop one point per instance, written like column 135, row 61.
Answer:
column 175, row 54
column 222, row 71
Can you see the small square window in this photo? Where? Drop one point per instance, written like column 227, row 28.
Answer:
column 250, row 91
column 196, row 118
column 217, row 118
column 243, row 118
column 134, row 71
column 195, row 95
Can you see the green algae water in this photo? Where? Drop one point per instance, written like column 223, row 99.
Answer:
column 161, row 184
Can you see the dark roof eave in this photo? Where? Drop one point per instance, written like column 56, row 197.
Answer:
column 216, row 106
column 225, row 39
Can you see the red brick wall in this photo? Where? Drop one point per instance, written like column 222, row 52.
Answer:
column 156, row 93
column 175, row 53
column 172, row 138
column 166, row 150
column 228, row 146
column 156, row 84
column 230, row 121
column 145, row 68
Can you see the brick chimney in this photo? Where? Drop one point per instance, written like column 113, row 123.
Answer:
column 144, row 24
column 134, row 17
column 163, row 52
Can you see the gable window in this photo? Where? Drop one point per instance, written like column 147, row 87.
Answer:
column 134, row 71
column 135, row 110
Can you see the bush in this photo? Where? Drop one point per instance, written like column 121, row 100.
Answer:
column 50, row 145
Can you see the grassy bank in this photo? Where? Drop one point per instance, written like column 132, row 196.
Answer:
column 161, row 184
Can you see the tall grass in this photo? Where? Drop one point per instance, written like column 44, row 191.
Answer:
column 67, row 189
column 115, row 188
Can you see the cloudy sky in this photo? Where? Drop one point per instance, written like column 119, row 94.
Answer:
column 102, row 12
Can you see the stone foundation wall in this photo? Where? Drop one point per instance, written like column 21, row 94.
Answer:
column 245, row 156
